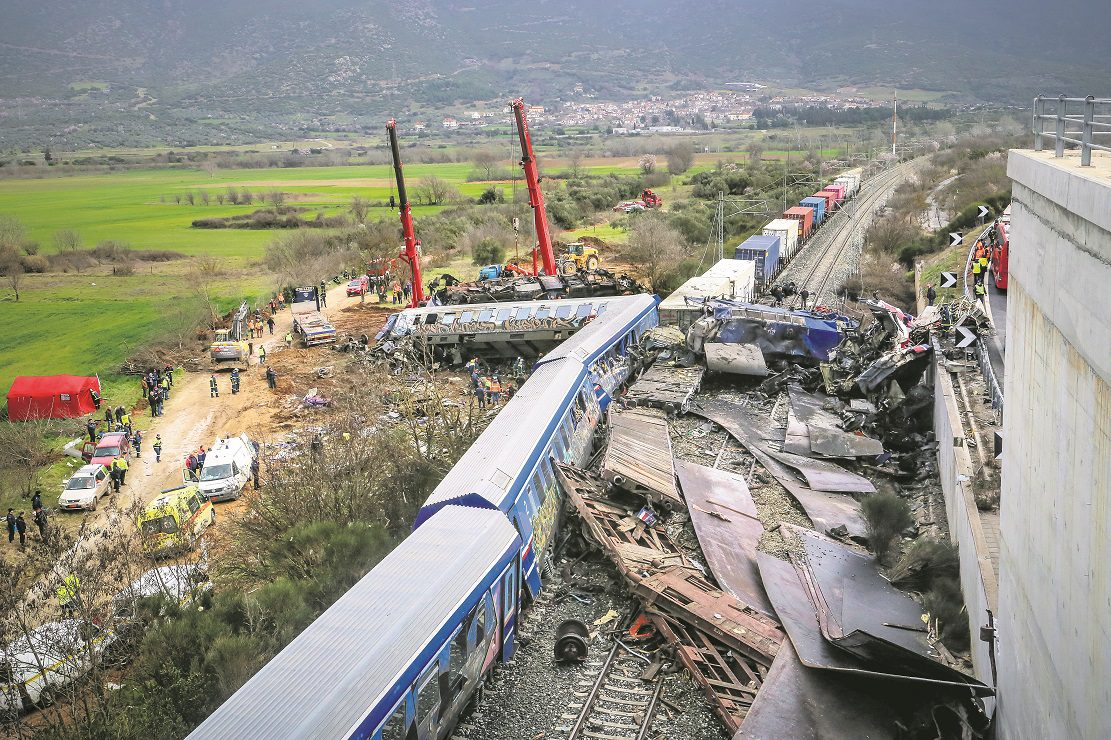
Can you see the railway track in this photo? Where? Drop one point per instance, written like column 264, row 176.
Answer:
column 617, row 704
column 830, row 253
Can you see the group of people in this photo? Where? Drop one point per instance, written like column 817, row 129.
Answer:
column 981, row 256
column 115, row 420
column 156, row 385
column 488, row 387
column 390, row 289
column 194, row 461
column 255, row 324
column 17, row 523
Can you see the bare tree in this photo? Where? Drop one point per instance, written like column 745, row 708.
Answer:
column 205, row 197
column 67, row 240
column 680, row 158
column 233, row 196
column 246, row 196
column 486, row 162
column 12, row 232
column 575, row 162
column 656, row 249
column 276, row 197
column 11, row 267
column 190, row 198
column 221, row 197
column 647, row 164
column 436, row 191
column 210, row 166
column 202, row 277
column 359, row 209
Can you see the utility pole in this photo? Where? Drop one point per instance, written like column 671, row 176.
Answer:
column 894, row 122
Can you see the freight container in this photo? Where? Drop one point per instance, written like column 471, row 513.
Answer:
column 764, row 251
column 838, row 189
column 729, row 278
column 851, row 184
column 855, row 178
column 831, row 201
column 805, row 217
column 787, row 229
column 818, row 203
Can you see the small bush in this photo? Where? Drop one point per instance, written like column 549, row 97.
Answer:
column 944, row 602
column 926, row 561
column 35, row 263
column 123, row 269
column 488, row 252
column 30, row 248
column 886, row 516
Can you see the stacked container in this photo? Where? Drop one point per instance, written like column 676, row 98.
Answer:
column 805, row 216
column 818, row 203
column 787, row 229
column 838, row 190
column 851, row 183
column 764, row 251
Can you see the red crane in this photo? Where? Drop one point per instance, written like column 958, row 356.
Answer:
column 535, row 196
column 411, row 252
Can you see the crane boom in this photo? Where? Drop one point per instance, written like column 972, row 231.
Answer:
column 411, row 252
column 535, row 196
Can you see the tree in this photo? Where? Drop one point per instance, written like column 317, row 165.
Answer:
column 488, row 252
column 486, row 162
column 755, row 151
column 202, row 277
column 12, row 232
column 436, row 191
column 190, row 198
column 205, row 197
column 11, row 267
column 359, row 209
column 680, row 158
column 67, row 240
column 575, row 162
column 648, row 164
column 276, row 197
column 656, row 249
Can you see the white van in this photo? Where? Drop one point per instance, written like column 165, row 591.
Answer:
column 227, row 468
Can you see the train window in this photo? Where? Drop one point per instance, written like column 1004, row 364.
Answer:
column 486, row 315
column 480, row 624
column 466, row 315
column 431, row 318
column 602, row 309
column 559, row 447
column 448, row 319
column 543, row 312
column 538, row 487
column 396, row 728
column 547, row 475
column 564, row 311
column 428, row 693
column 583, row 311
column 456, row 658
column 503, row 314
column 523, row 313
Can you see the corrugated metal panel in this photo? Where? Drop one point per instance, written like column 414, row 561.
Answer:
column 327, row 680
column 514, row 435
column 621, row 314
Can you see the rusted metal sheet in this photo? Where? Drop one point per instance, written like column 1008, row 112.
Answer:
column 825, row 476
column 730, row 681
column 728, row 528
column 798, row 614
column 829, row 512
column 738, row 359
column 823, row 431
column 807, row 704
column 638, row 457
column 684, row 595
column 667, row 386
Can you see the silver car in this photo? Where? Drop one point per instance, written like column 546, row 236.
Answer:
column 84, row 488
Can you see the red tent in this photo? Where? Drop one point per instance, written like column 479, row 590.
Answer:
column 52, row 397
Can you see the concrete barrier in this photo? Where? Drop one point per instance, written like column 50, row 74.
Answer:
column 979, row 581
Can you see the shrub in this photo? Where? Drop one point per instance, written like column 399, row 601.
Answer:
column 35, row 263
column 945, row 603
column 123, row 269
column 926, row 561
column 887, row 516
column 488, row 252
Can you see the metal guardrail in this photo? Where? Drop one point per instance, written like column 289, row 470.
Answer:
column 1072, row 117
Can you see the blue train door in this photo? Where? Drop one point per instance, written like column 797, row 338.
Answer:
column 510, row 599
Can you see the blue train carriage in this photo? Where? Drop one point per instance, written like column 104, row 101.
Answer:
column 603, row 345
column 399, row 654
column 509, row 466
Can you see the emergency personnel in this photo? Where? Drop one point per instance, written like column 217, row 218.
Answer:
column 91, row 426
column 981, row 290
column 126, row 421
column 480, row 391
column 271, row 378
column 234, row 381
column 36, row 501
column 804, row 296
column 323, row 294
column 158, row 448
column 984, row 264
column 931, row 294
column 495, row 390
column 120, row 465
column 777, row 294
column 270, row 324
column 21, row 527
column 137, row 442
column 68, row 592
column 213, row 389
column 977, row 275
column 167, row 384
column 288, row 339
column 261, row 355
column 40, row 520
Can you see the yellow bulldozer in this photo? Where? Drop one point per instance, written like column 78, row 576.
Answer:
column 579, row 257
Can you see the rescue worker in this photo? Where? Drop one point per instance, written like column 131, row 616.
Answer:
column 981, row 289
column 158, row 448
column 108, row 417
column 200, row 459
column 480, row 391
column 191, row 463
column 68, row 592
column 40, row 521
column 120, row 464
column 323, row 294
column 254, row 472
column 235, row 381
column 91, row 427
column 495, row 390
column 155, row 399
column 288, row 339
column 804, row 296
column 213, row 389
column 10, row 520
column 984, row 264
column 168, row 376
column 167, row 384
column 21, row 527
column 119, row 415
column 137, row 442
column 270, row 324
column 977, row 276
column 36, row 501
column 126, row 421
column 931, row 294
column 261, row 355
column 271, row 378
column 777, row 294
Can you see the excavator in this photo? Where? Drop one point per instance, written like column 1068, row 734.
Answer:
column 411, row 252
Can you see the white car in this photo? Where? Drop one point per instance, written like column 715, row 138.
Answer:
column 227, row 468
column 85, row 488
column 37, row 666
column 180, row 583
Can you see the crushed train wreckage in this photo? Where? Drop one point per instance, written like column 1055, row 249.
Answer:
column 597, row 283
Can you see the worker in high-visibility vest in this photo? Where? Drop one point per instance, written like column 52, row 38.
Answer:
column 67, row 592
column 977, row 272
column 119, row 467
column 495, row 390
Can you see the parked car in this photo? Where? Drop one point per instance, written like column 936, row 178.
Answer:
column 358, row 286
column 36, row 666
column 174, row 521
column 109, row 447
column 227, row 468
column 181, row 583
column 84, row 488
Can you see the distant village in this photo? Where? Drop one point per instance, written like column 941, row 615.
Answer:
column 696, row 111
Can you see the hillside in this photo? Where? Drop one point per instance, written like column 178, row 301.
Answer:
column 241, row 65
